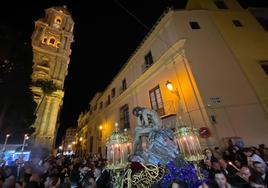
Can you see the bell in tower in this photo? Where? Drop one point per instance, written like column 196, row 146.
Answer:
column 51, row 44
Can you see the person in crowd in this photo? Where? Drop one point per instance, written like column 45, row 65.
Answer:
column 101, row 180
column 256, row 181
column 252, row 157
column 238, row 157
column 209, row 156
column 221, row 180
column 207, row 163
column 228, row 169
column 263, row 152
column 262, row 171
column 241, row 178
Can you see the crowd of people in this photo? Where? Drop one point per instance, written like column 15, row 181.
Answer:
column 234, row 167
column 56, row 172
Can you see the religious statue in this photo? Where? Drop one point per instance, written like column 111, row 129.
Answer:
column 148, row 120
column 152, row 144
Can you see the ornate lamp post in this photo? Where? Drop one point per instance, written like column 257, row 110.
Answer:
column 118, row 145
column 4, row 146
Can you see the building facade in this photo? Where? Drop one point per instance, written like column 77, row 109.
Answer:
column 195, row 50
column 51, row 43
column 69, row 138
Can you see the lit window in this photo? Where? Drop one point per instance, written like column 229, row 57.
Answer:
column 58, row 20
column 156, row 100
column 58, row 44
column 52, row 41
column 124, row 116
column 44, row 41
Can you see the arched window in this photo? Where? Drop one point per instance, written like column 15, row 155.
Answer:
column 44, row 40
column 52, row 41
column 58, row 44
column 58, row 20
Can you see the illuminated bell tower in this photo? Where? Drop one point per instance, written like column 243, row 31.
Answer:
column 51, row 43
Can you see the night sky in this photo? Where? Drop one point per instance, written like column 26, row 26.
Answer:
column 105, row 36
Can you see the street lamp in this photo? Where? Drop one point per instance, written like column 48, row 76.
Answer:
column 4, row 146
column 171, row 89
column 26, row 137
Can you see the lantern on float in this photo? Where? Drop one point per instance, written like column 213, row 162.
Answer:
column 118, row 149
column 188, row 142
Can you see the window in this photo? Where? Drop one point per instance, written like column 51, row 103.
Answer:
column 264, row 66
column 58, row 20
column 220, row 4
column 194, row 25
column 113, row 92
column 124, row 116
column 124, row 84
column 108, row 100
column 58, row 44
column 101, row 104
column 156, row 100
column 148, row 59
column 44, row 63
column 44, row 41
column 52, row 41
column 95, row 107
column 237, row 23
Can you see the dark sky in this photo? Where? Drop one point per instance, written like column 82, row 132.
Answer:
column 105, row 36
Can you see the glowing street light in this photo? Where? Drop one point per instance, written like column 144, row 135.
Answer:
column 100, row 127
column 26, row 137
column 171, row 89
column 4, row 146
column 169, row 86
column 81, row 138
column 73, row 142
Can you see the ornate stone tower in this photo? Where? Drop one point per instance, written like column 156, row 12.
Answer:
column 51, row 43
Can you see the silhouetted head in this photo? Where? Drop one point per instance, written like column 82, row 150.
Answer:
column 137, row 110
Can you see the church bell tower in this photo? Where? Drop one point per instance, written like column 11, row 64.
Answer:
column 51, row 44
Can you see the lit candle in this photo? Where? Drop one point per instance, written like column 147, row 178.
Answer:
column 230, row 163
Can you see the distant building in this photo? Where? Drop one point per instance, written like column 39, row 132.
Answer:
column 212, row 52
column 69, row 138
column 51, row 43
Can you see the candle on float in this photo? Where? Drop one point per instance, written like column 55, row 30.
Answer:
column 230, row 163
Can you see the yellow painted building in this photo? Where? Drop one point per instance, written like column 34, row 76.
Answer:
column 248, row 40
column 210, row 88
